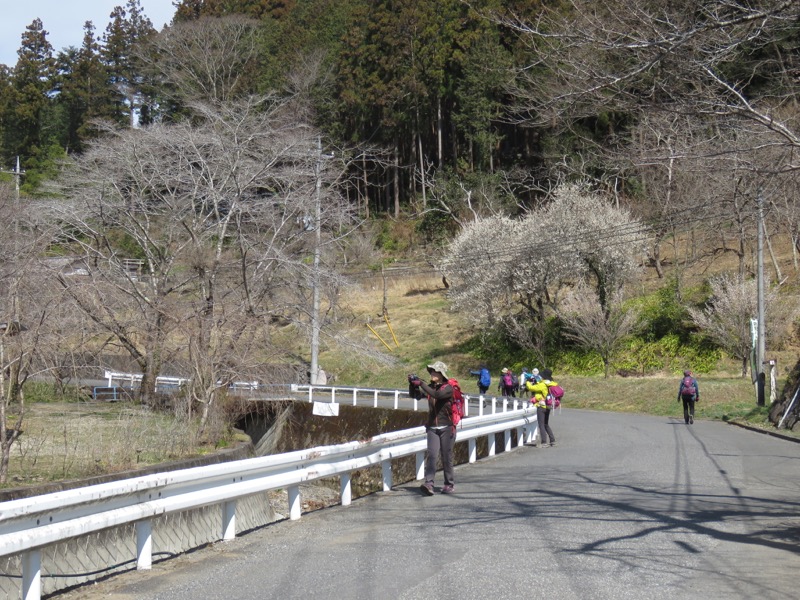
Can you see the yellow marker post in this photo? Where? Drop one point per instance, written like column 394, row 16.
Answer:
column 386, row 318
column 379, row 337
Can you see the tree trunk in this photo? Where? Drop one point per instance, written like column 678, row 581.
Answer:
column 439, row 131
column 396, row 182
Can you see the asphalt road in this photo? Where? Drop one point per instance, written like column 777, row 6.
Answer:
column 624, row 506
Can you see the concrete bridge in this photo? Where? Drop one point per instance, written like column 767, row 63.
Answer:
column 624, row 506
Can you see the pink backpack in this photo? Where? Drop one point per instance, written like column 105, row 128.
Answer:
column 554, row 395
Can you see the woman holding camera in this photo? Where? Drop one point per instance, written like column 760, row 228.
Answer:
column 439, row 427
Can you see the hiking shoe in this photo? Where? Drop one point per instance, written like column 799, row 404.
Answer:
column 448, row 489
column 691, row 419
column 552, row 444
column 427, row 489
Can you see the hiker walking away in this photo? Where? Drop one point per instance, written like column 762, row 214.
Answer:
column 689, row 392
column 439, row 427
column 484, row 379
column 506, row 386
column 539, row 390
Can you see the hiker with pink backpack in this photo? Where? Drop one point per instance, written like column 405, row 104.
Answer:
column 689, row 392
column 546, row 397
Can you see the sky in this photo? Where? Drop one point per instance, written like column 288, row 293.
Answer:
column 63, row 20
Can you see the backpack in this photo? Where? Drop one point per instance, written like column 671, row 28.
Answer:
column 457, row 404
column 688, row 387
column 486, row 379
column 554, row 395
column 507, row 380
column 514, row 381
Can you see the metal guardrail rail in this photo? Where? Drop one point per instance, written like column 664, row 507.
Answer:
column 31, row 524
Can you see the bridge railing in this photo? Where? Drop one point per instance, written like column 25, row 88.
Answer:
column 473, row 405
column 29, row 525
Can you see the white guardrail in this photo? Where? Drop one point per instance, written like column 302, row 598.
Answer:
column 30, row 524
column 489, row 404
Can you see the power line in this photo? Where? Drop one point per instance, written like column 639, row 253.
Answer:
column 630, row 233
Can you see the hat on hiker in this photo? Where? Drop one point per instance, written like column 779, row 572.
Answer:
column 439, row 367
column 505, row 370
column 547, row 374
column 686, row 373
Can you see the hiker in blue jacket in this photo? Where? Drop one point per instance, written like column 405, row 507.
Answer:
column 689, row 392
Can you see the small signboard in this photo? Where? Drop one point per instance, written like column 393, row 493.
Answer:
column 326, row 409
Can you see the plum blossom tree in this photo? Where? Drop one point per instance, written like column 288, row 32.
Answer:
column 511, row 272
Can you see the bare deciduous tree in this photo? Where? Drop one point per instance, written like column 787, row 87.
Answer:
column 25, row 305
column 208, row 59
column 595, row 326
column 217, row 211
column 726, row 317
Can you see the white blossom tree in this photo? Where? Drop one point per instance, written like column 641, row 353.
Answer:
column 510, row 273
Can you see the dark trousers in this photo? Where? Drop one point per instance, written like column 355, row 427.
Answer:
column 440, row 441
column 688, row 407
column 482, row 389
column 543, row 418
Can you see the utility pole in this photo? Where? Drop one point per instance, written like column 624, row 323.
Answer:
column 315, row 326
column 760, row 378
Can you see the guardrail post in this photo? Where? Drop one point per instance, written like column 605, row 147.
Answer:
column 144, row 545
column 491, row 440
column 396, row 399
column 228, row 520
column 310, row 393
column 416, row 404
column 333, row 395
column 494, row 405
column 507, row 440
column 32, row 575
column 480, row 406
column 355, row 393
column 473, row 450
column 420, row 457
column 375, row 401
column 346, row 488
column 386, row 469
column 520, row 436
column 294, row 502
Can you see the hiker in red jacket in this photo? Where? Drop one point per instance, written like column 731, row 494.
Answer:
column 439, row 427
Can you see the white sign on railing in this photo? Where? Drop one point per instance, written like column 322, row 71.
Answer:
column 30, row 524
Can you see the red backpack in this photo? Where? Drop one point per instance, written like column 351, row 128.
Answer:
column 457, row 404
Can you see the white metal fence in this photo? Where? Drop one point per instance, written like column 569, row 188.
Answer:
column 31, row 524
column 473, row 405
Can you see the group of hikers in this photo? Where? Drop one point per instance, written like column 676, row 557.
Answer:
column 545, row 394
column 442, row 392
